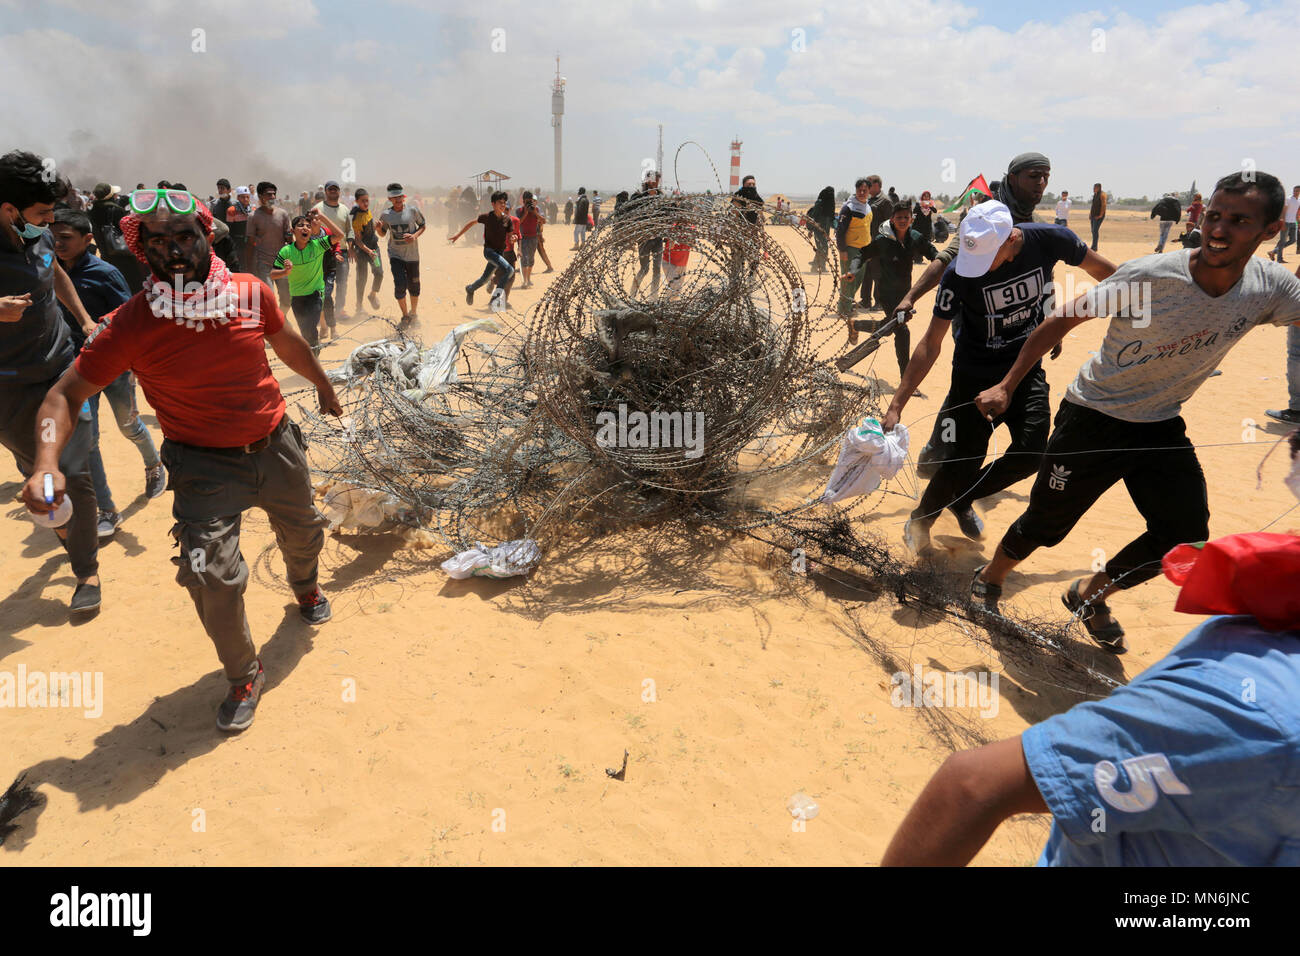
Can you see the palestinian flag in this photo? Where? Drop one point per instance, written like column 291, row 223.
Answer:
column 975, row 187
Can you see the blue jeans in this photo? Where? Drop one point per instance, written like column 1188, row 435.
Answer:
column 1285, row 238
column 307, row 312
column 1096, row 228
column 495, row 261
column 121, row 399
column 336, row 289
column 1165, row 226
column 1293, row 366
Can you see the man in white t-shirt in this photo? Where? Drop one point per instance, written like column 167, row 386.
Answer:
column 1288, row 235
column 1063, row 210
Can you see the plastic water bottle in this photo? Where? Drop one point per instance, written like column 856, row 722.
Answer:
column 802, row 806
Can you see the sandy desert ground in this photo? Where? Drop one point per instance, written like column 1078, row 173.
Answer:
column 486, row 713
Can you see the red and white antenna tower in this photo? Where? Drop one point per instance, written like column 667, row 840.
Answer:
column 735, row 164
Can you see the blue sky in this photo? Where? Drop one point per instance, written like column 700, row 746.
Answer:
column 927, row 93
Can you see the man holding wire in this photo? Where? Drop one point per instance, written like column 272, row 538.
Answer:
column 991, row 297
column 1175, row 316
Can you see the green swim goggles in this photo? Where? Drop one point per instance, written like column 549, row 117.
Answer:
column 147, row 200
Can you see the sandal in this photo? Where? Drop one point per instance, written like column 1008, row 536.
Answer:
column 990, row 594
column 1110, row 637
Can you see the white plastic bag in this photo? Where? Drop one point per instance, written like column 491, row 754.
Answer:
column 437, row 368
column 868, row 456
column 503, row 561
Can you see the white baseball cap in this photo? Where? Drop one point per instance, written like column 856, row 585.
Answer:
column 981, row 235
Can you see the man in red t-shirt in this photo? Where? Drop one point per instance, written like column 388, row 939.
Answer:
column 194, row 339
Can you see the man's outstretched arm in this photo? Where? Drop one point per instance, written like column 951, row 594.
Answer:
column 964, row 802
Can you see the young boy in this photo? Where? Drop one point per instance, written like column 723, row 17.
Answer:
column 302, row 262
column 897, row 246
column 366, row 242
column 498, row 226
column 403, row 225
column 530, row 221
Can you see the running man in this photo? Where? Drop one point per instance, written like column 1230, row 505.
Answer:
column 1120, row 419
column 404, row 225
column 36, row 348
column 991, row 298
column 230, row 445
column 497, row 227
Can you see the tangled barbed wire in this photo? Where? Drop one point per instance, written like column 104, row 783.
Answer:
column 708, row 398
column 641, row 388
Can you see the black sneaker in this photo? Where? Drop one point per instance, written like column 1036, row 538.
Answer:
column 970, row 523
column 85, row 598
column 1288, row 416
column 109, row 522
column 155, row 480
column 314, row 607
column 469, row 296
column 237, row 710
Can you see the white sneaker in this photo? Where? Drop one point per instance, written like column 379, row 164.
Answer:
column 916, row 535
column 498, row 302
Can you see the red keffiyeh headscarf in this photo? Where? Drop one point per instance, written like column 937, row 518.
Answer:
column 1256, row 574
column 216, row 301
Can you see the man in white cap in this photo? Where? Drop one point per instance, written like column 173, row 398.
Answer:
column 991, row 297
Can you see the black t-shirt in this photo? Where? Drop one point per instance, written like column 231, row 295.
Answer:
column 38, row 347
column 993, row 314
column 580, row 211
column 495, row 230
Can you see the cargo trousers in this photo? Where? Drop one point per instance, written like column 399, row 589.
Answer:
column 212, row 489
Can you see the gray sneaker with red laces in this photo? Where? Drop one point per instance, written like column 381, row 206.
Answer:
column 237, row 710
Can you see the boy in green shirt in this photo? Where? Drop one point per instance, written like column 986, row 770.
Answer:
column 303, row 262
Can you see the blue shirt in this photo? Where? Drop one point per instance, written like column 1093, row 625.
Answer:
column 1196, row 762
column 101, row 288
column 993, row 314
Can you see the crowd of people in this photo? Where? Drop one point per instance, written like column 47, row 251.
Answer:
column 121, row 291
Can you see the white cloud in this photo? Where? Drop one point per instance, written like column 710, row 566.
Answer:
column 433, row 105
